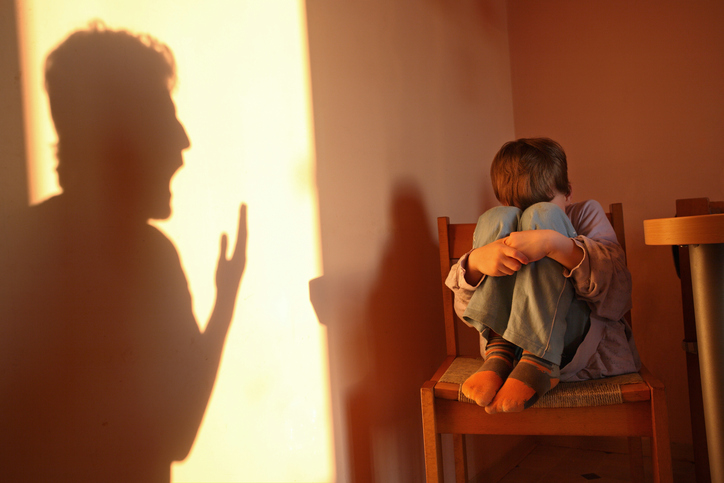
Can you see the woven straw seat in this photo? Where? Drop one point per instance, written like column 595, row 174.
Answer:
column 597, row 392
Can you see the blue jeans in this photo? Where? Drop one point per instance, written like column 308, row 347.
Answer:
column 535, row 308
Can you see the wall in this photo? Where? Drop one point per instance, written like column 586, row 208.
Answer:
column 12, row 149
column 243, row 97
column 411, row 102
column 633, row 91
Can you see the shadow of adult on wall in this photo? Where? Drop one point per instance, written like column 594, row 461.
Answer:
column 104, row 373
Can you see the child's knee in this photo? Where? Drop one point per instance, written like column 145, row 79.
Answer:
column 497, row 222
column 504, row 214
column 541, row 216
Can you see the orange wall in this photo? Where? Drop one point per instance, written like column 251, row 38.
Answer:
column 411, row 101
column 13, row 193
column 634, row 92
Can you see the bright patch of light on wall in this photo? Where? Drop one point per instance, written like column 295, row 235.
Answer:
column 243, row 95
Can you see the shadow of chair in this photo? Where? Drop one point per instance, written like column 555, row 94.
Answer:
column 632, row 406
column 693, row 207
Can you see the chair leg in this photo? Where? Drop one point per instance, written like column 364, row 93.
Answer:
column 636, row 458
column 430, row 436
column 660, row 445
column 461, row 466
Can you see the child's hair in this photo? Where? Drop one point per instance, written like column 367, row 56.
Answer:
column 529, row 171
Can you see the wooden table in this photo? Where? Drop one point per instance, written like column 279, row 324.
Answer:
column 705, row 236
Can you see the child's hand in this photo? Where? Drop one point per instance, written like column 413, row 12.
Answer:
column 495, row 259
column 534, row 243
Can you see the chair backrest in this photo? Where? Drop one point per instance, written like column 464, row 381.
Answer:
column 457, row 239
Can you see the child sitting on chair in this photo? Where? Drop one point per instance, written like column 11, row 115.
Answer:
column 546, row 283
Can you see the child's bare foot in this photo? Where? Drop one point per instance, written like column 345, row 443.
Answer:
column 531, row 379
column 484, row 384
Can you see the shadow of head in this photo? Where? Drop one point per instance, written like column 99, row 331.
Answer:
column 119, row 140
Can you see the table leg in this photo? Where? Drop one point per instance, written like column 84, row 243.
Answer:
column 707, row 274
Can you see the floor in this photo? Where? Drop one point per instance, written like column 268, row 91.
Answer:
column 557, row 464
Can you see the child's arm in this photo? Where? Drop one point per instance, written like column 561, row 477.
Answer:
column 457, row 282
column 536, row 244
column 507, row 255
column 602, row 278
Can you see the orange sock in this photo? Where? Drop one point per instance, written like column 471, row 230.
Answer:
column 531, row 379
column 484, row 384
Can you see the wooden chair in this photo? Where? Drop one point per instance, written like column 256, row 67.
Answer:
column 640, row 410
column 694, row 207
